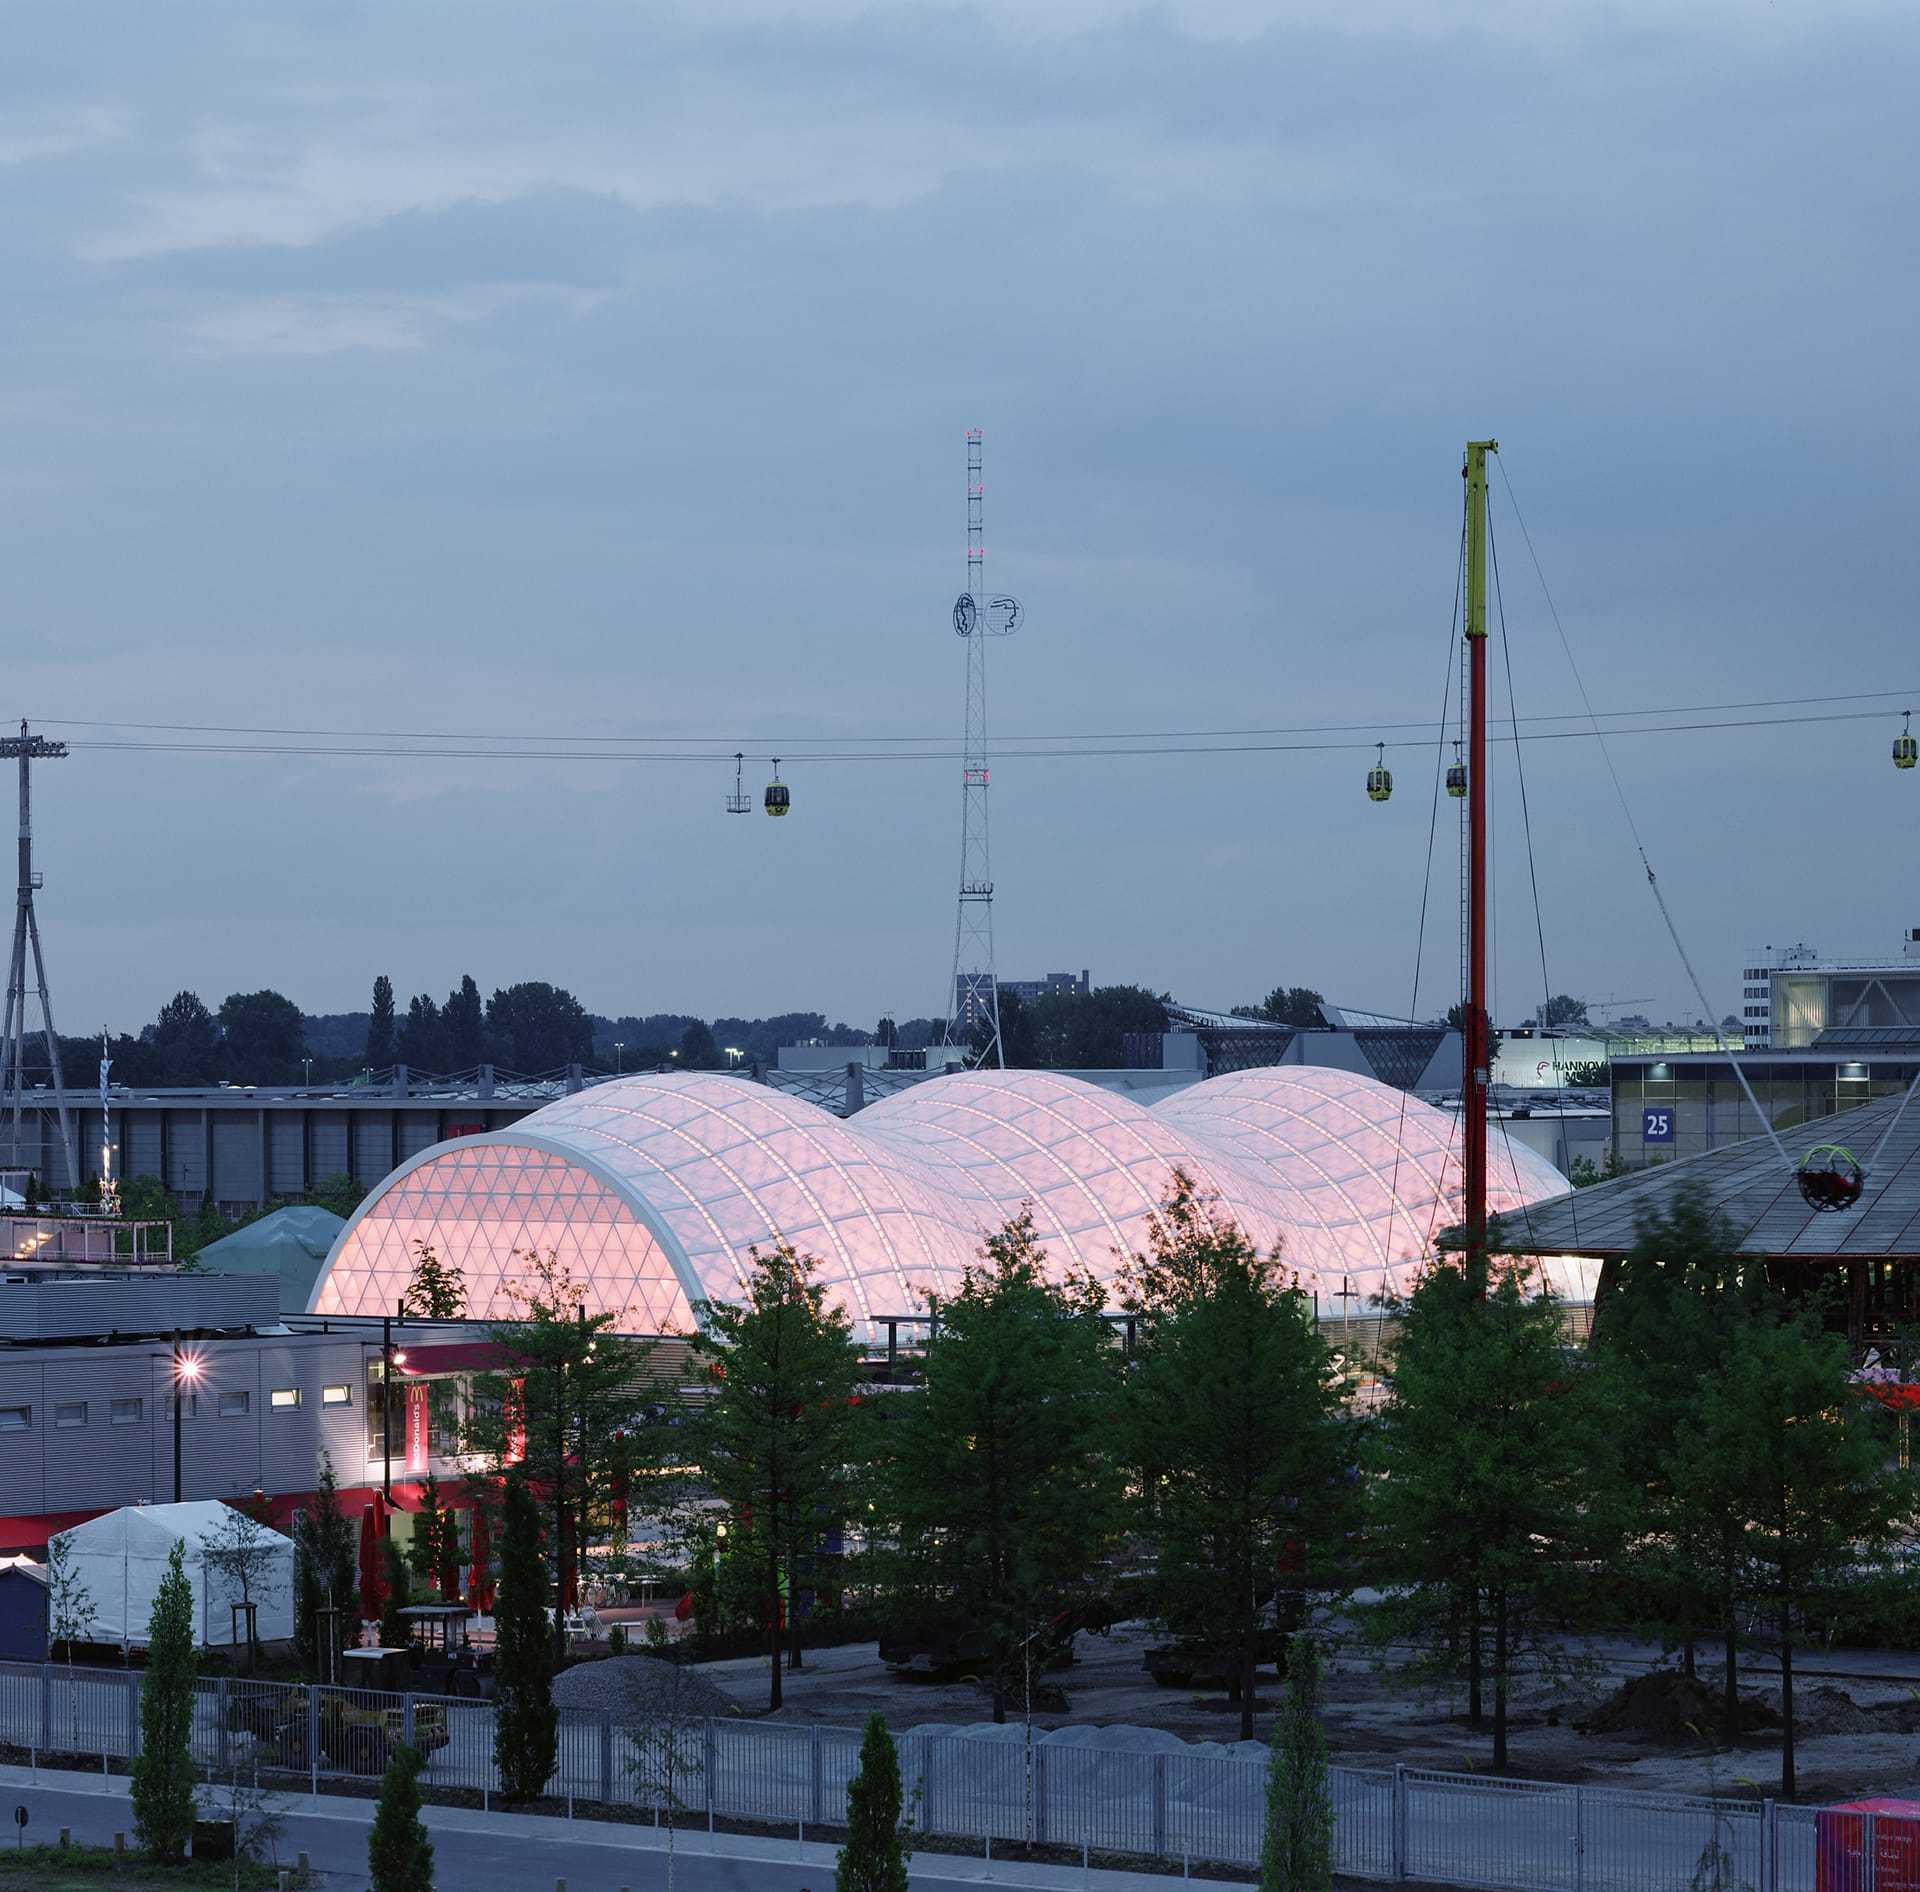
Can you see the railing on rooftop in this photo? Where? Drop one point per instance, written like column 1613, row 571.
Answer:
column 95, row 1239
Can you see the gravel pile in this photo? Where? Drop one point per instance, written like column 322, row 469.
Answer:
column 640, row 1688
column 1666, row 1707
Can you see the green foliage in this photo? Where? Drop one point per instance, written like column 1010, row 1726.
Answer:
column 1297, row 1005
column 399, row 1853
column 1495, row 1473
column 1779, row 1445
column 774, row 1435
column 433, row 1555
column 1231, row 1426
column 338, row 1193
column 70, row 1607
column 183, row 1043
column 243, row 1555
column 1073, row 1030
column 163, row 1806
column 262, row 1038
column 568, row 1407
column 535, row 1026
column 437, row 1290
column 526, row 1733
column 380, row 1034
column 1583, row 1172
column 1002, row 1490
column 394, row 1630
column 698, row 1049
column 324, row 1562
column 1562, row 1009
column 1296, row 1849
column 874, row 1859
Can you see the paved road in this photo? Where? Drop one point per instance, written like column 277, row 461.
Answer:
column 510, row 1853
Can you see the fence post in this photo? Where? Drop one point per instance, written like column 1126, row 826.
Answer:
column 133, row 1716
column 1399, row 1822
column 1769, row 1849
column 1040, row 1785
column 1869, row 1855
column 222, row 1700
column 313, row 1738
column 710, row 1766
column 816, row 1776
column 1159, row 1804
column 1579, row 1840
column 606, row 1758
column 46, row 1707
column 406, row 1717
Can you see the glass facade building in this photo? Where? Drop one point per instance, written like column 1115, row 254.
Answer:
column 653, row 1190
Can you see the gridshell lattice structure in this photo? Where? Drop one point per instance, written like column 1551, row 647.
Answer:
column 653, row 1190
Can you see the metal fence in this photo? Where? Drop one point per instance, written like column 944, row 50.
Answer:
column 1077, row 1791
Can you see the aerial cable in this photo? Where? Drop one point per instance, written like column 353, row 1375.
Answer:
column 1426, row 889
column 1533, row 876
column 1653, row 881
column 1057, row 736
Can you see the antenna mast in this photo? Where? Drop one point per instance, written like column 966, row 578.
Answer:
column 1478, row 1056
column 29, row 749
column 974, row 996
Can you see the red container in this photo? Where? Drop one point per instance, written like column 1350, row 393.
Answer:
column 1840, row 1840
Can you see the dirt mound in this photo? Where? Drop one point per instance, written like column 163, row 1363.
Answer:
column 640, row 1688
column 1667, row 1707
column 1827, row 1710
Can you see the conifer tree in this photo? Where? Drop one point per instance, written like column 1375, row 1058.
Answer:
column 775, row 1434
column 399, row 1853
column 380, row 1025
column 526, row 1732
column 1296, row 1851
column 324, row 1570
column 1231, row 1424
column 1003, row 1487
column 163, row 1808
column 874, row 1859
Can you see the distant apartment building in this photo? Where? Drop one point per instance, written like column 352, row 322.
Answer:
column 967, row 991
column 1789, row 995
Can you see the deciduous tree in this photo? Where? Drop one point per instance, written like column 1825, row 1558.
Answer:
column 324, row 1578
column 437, row 1289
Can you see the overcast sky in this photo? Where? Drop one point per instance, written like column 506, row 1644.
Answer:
column 604, row 370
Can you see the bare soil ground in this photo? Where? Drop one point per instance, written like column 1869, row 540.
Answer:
column 1855, row 1736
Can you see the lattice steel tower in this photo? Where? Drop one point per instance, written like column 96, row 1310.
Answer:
column 973, row 999
column 26, row 933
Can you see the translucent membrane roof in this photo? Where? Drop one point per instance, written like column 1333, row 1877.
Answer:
column 653, row 1189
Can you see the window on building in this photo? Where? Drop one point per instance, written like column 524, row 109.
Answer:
column 336, row 1395
column 15, row 1418
column 127, row 1412
column 284, row 1398
column 235, row 1405
column 70, row 1412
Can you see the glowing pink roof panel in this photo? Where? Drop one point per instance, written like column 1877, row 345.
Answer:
column 652, row 1189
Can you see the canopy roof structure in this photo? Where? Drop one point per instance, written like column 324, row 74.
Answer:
column 291, row 1243
column 1758, row 1194
column 122, row 1555
column 653, row 1190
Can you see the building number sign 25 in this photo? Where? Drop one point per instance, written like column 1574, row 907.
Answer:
column 1656, row 1124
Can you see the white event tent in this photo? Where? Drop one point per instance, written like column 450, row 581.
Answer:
column 120, row 1558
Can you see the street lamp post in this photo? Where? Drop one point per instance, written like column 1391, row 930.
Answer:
column 307, row 1065
column 736, row 1054
column 619, row 1056
column 186, row 1370
column 389, row 1359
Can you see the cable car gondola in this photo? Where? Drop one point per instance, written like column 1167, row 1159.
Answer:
column 1905, row 749
column 776, row 800
column 1380, row 777
column 1830, row 1178
column 1457, row 776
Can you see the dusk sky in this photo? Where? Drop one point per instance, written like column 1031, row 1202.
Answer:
column 602, row 371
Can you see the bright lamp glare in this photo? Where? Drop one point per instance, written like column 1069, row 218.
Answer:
column 399, row 1358
column 188, row 1366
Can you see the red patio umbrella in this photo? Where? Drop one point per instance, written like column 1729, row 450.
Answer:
column 373, row 1570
